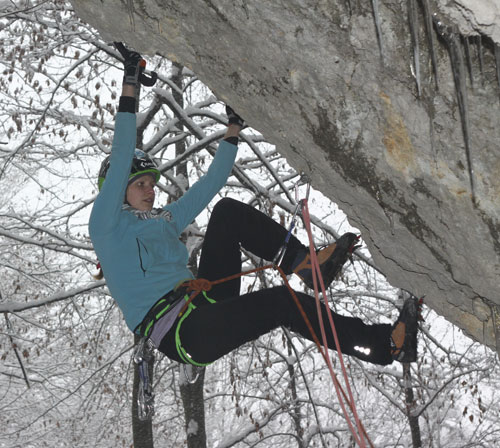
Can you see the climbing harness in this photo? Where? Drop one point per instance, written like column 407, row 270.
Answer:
column 185, row 312
column 159, row 309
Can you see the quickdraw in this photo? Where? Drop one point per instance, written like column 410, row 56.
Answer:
column 143, row 357
column 298, row 209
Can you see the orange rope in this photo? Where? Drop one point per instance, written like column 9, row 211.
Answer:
column 196, row 286
column 318, row 278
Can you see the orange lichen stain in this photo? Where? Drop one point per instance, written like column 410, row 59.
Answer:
column 400, row 153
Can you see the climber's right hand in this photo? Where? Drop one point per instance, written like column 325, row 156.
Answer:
column 133, row 64
column 233, row 117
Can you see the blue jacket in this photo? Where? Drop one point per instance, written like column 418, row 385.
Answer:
column 143, row 259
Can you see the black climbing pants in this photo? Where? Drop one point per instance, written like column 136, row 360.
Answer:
column 215, row 329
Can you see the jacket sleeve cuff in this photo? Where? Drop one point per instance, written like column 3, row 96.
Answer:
column 126, row 104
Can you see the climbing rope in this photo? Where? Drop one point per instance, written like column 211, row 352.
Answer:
column 359, row 434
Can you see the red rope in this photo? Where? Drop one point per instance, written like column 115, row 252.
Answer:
column 358, row 435
column 197, row 285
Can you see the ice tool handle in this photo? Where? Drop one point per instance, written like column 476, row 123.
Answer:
column 145, row 78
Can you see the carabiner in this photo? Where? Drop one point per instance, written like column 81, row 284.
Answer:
column 197, row 371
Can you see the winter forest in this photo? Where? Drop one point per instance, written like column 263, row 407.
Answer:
column 66, row 374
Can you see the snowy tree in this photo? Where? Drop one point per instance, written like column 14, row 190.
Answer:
column 66, row 376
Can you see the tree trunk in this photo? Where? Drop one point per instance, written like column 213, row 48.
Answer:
column 194, row 406
column 295, row 411
column 410, row 406
column 191, row 392
column 142, row 430
column 193, row 399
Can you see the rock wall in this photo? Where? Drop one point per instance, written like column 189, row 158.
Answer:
column 348, row 91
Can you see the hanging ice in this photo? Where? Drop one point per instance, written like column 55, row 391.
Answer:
column 430, row 38
column 452, row 40
column 468, row 58
column 413, row 21
column 480, row 56
column 497, row 59
column 376, row 17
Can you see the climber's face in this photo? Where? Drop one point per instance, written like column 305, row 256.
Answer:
column 141, row 193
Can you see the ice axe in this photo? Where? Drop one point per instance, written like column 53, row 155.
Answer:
column 142, row 77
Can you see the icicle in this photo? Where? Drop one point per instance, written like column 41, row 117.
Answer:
column 430, row 38
column 480, row 56
column 457, row 65
column 413, row 20
column 131, row 11
column 378, row 29
column 349, row 7
column 497, row 59
column 465, row 40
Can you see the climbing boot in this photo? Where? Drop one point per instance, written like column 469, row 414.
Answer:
column 330, row 258
column 404, row 332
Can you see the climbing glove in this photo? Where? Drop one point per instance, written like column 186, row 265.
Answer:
column 233, row 117
column 133, row 64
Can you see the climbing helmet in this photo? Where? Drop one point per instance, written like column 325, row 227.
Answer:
column 142, row 164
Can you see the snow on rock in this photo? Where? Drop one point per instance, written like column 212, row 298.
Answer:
column 474, row 16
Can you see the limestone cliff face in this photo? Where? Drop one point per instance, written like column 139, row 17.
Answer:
column 413, row 159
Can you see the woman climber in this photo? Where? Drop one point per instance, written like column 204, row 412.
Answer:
column 144, row 262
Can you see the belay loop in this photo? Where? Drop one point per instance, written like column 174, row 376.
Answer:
column 143, row 357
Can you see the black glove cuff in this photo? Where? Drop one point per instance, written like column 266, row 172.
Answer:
column 232, row 140
column 126, row 104
column 236, row 119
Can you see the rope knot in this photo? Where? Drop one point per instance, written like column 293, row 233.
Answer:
column 198, row 285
